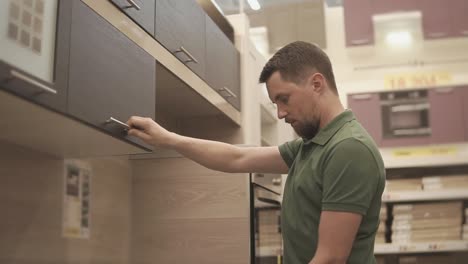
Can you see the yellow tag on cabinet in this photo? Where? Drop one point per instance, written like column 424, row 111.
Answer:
column 425, row 151
column 417, row 80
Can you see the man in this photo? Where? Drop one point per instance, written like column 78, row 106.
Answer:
column 332, row 197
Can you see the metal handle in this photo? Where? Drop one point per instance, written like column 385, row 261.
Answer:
column 191, row 57
column 437, row 34
column 444, row 90
column 230, row 93
column 133, row 4
column 29, row 80
column 360, row 41
column 464, row 32
column 117, row 122
column 362, row 96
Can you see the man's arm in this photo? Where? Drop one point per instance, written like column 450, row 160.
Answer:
column 337, row 232
column 211, row 154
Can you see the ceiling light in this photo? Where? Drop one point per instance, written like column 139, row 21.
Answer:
column 254, row 4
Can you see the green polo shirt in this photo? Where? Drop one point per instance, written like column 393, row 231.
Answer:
column 340, row 169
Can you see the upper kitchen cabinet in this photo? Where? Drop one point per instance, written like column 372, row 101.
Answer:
column 446, row 114
column 458, row 10
column 358, row 22
column 180, row 28
column 436, row 18
column 34, row 41
column 140, row 11
column 366, row 107
column 222, row 64
column 111, row 78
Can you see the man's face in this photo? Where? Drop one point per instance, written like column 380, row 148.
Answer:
column 297, row 104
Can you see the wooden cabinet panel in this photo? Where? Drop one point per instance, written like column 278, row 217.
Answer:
column 223, row 62
column 458, row 11
column 109, row 75
column 141, row 11
column 180, row 27
column 28, row 86
column 446, row 115
column 358, row 22
column 366, row 107
column 436, row 19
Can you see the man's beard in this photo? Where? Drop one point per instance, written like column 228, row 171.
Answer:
column 307, row 130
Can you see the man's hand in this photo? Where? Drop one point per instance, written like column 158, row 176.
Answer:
column 149, row 131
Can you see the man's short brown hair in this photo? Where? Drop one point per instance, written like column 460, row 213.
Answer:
column 296, row 61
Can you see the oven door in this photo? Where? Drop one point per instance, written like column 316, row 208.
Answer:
column 406, row 120
column 266, row 239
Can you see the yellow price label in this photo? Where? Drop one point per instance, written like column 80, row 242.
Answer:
column 428, row 151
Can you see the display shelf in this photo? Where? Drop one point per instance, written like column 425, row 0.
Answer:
column 426, row 247
column 433, row 195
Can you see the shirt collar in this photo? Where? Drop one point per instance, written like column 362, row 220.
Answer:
column 324, row 134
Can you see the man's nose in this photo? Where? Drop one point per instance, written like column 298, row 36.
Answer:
column 281, row 113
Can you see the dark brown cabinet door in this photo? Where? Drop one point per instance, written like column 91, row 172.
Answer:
column 446, row 115
column 109, row 75
column 436, row 19
column 358, row 22
column 180, row 28
column 458, row 11
column 366, row 107
column 222, row 64
column 140, row 11
column 51, row 95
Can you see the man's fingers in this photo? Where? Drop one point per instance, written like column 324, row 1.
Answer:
column 138, row 122
column 139, row 134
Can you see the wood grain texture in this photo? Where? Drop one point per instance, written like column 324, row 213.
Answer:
column 31, row 199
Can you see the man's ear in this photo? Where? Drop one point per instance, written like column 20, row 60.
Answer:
column 317, row 82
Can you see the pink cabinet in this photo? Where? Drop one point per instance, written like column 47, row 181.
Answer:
column 446, row 115
column 358, row 22
column 459, row 19
column 366, row 107
column 436, row 18
column 386, row 6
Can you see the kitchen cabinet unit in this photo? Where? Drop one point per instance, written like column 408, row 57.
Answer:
column 446, row 115
column 110, row 76
column 436, row 19
column 180, row 28
column 140, row 11
column 457, row 10
column 358, row 22
column 366, row 107
column 35, row 50
column 223, row 60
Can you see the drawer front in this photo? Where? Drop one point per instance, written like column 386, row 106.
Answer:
column 140, row 11
column 180, row 28
column 222, row 73
column 109, row 75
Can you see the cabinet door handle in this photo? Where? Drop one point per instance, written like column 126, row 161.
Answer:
column 29, row 80
column 228, row 91
column 191, row 57
column 133, row 4
column 362, row 96
column 360, row 41
column 444, row 90
column 112, row 120
column 464, row 32
column 437, row 34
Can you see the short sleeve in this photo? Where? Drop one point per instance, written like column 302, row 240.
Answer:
column 289, row 150
column 350, row 178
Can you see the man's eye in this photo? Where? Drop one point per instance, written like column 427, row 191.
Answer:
column 284, row 99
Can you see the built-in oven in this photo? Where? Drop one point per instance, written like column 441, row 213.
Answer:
column 34, row 41
column 266, row 239
column 405, row 114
